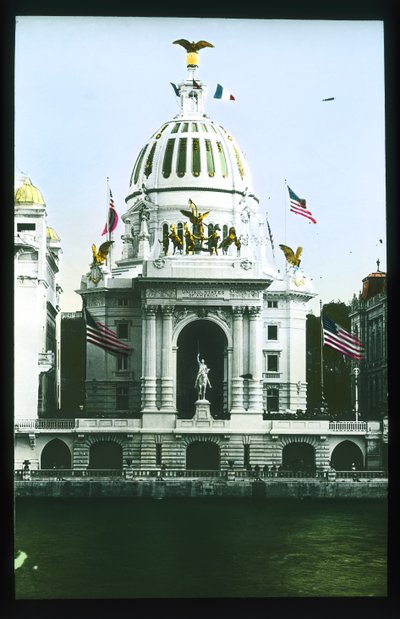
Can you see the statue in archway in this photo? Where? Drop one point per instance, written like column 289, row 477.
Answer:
column 202, row 379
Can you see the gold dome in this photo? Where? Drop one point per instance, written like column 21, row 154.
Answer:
column 52, row 234
column 28, row 194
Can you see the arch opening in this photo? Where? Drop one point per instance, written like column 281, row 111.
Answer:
column 55, row 455
column 105, row 455
column 298, row 457
column 207, row 338
column 203, row 455
column 345, row 454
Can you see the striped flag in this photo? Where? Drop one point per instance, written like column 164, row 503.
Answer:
column 222, row 93
column 338, row 338
column 99, row 335
column 112, row 218
column 298, row 206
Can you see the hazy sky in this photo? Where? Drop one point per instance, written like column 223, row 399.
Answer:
column 90, row 91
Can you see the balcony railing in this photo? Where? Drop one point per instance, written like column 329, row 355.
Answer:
column 45, row 424
column 158, row 473
column 348, row 426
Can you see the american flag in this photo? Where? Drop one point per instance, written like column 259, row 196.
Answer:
column 338, row 338
column 298, row 206
column 101, row 336
column 112, row 217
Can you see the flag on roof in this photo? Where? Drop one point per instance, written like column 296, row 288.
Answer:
column 298, row 206
column 222, row 93
column 338, row 338
column 176, row 89
column 99, row 335
column 112, row 216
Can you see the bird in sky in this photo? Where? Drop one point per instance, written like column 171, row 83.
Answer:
column 292, row 257
column 192, row 46
column 100, row 256
column 329, row 99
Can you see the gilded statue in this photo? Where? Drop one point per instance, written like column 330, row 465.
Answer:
column 228, row 240
column 100, row 256
column 196, row 218
column 292, row 257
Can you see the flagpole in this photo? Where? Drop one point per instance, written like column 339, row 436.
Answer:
column 322, row 357
column 285, row 207
column 108, row 224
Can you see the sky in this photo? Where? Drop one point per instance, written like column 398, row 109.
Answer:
column 90, row 91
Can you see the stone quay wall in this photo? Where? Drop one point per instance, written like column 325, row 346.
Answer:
column 301, row 489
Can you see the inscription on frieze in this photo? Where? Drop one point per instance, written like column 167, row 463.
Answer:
column 202, row 293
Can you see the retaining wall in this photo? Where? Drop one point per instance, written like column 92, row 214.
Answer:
column 304, row 489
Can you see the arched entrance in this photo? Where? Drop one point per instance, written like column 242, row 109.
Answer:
column 345, row 454
column 203, row 455
column 55, row 455
column 298, row 457
column 105, row 455
column 207, row 338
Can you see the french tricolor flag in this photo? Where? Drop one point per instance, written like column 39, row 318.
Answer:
column 222, row 93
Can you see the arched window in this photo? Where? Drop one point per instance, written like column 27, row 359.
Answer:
column 165, row 229
column 210, row 158
column 167, row 163
column 210, row 229
column 222, row 160
column 179, row 229
column 181, row 162
column 196, row 156
column 224, row 231
column 136, row 167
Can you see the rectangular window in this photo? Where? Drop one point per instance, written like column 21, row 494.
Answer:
column 122, row 363
column 272, row 400
column 122, row 330
column 25, row 227
column 158, row 454
column 123, row 302
column 272, row 332
column 272, row 363
column 272, row 303
column 246, row 455
column 122, row 398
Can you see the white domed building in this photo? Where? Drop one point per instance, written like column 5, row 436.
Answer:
column 195, row 284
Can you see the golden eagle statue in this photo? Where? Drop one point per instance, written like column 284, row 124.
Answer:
column 192, row 48
column 291, row 257
column 100, row 256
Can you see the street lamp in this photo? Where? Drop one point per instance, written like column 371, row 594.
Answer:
column 356, row 372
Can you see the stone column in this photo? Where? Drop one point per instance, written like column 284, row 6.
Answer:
column 237, row 360
column 167, row 383
column 255, row 359
column 149, row 355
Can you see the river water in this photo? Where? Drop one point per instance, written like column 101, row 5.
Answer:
column 211, row 547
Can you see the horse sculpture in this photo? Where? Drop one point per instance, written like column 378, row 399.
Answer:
column 213, row 240
column 228, row 240
column 202, row 379
column 175, row 238
column 189, row 240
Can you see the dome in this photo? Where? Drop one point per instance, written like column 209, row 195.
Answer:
column 52, row 234
column 191, row 161
column 191, row 157
column 28, row 194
